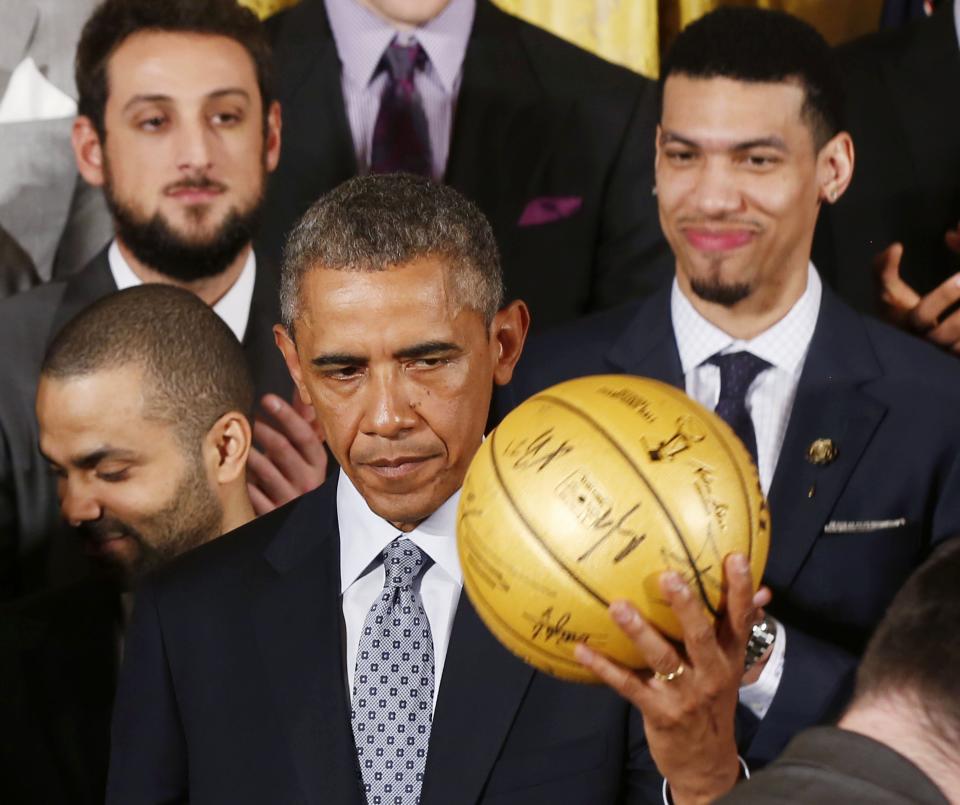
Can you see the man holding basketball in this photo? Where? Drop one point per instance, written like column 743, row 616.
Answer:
column 260, row 668
column 852, row 424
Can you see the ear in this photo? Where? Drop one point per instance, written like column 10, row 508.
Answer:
column 291, row 357
column 227, row 446
column 508, row 332
column 272, row 145
column 88, row 151
column 835, row 167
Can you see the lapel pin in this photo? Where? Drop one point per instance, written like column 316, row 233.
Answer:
column 821, row 452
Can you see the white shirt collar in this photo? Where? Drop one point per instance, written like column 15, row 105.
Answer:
column 364, row 535
column 783, row 345
column 233, row 307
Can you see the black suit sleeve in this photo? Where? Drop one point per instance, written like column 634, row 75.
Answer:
column 632, row 257
column 148, row 755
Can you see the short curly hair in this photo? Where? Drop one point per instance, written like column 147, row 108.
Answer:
column 373, row 222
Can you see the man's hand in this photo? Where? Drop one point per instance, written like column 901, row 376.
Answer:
column 689, row 718
column 292, row 459
column 922, row 314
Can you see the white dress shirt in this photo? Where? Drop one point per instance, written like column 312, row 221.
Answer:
column 769, row 401
column 233, row 307
column 363, row 536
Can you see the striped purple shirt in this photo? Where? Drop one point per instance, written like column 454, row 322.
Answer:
column 362, row 36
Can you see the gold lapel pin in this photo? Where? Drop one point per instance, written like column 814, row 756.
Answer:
column 821, row 451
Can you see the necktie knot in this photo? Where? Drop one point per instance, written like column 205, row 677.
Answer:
column 737, row 371
column 403, row 561
column 401, row 61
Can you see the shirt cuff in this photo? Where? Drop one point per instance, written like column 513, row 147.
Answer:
column 668, row 799
column 758, row 696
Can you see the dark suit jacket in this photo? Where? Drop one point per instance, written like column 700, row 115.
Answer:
column 900, row 86
column 29, row 512
column 833, row 765
column 59, row 655
column 535, row 117
column 890, row 403
column 233, row 690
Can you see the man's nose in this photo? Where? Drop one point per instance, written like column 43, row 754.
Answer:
column 194, row 147
column 77, row 505
column 389, row 410
column 716, row 190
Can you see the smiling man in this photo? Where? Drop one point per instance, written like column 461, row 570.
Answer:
column 178, row 125
column 325, row 652
column 853, row 425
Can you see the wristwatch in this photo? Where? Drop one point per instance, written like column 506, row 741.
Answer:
column 762, row 636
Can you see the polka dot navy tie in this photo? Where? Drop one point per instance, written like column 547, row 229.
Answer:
column 393, row 684
column 737, row 371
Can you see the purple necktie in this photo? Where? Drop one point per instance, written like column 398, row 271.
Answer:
column 737, row 371
column 401, row 140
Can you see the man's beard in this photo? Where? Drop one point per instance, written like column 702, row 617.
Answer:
column 192, row 516
column 726, row 294
column 155, row 243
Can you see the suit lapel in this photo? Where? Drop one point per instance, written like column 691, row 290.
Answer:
column 297, row 614
column 83, row 289
column 500, row 120
column 829, row 405
column 648, row 347
column 480, row 691
column 266, row 363
column 317, row 153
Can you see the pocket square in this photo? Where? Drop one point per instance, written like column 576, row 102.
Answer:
column 862, row 526
column 545, row 209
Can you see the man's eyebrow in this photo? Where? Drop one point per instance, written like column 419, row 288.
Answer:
column 339, row 359
column 156, row 98
column 161, row 98
column 220, row 93
column 744, row 145
column 427, row 348
column 88, row 461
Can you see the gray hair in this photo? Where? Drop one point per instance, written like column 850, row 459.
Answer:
column 371, row 223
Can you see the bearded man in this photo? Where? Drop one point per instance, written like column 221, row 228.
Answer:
column 176, row 123
column 143, row 405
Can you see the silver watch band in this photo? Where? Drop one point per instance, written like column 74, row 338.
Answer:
column 762, row 636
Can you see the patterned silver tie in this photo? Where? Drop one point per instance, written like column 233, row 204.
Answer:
column 393, row 684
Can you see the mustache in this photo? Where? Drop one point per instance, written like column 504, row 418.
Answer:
column 107, row 528
column 199, row 182
column 720, row 220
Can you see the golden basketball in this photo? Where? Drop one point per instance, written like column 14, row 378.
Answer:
column 585, row 494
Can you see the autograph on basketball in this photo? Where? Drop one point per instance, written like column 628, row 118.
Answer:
column 548, row 628
column 537, row 453
column 688, row 433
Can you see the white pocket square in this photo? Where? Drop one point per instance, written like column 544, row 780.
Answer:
column 30, row 96
column 862, row 526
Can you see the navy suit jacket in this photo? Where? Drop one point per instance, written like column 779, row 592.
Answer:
column 890, row 403
column 233, row 690
column 536, row 119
